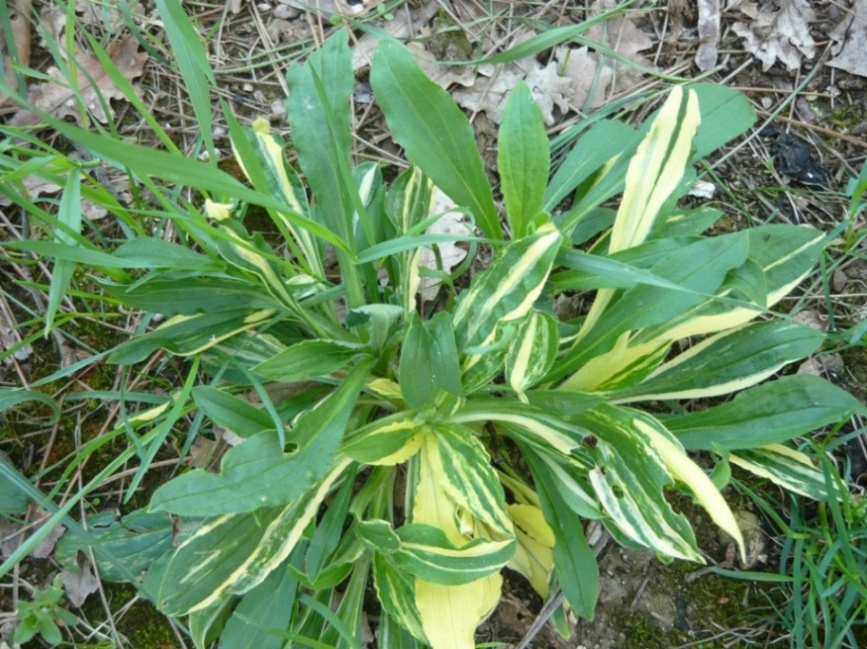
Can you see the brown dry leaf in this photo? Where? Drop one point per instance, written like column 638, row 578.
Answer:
column 849, row 38
column 59, row 100
column 589, row 82
column 492, row 87
column 708, row 32
column 451, row 254
column 21, row 36
column 78, row 586
column 406, row 23
column 783, row 34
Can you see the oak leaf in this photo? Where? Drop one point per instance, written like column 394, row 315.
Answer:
column 58, row 99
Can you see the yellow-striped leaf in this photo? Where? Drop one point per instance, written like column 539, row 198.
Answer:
column 786, row 467
column 387, row 442
column 533, row 351
column 229, row 555
column 728, row 362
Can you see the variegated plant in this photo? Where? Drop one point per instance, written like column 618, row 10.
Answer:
column 427, row 449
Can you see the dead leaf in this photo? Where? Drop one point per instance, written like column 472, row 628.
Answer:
column 590, row 82
column 406, row 23
column 21, row 36
column 494, row 84
column 78, row 586
column 441, row 74
column 451, row 254
column 708, row 31
column 57, row 99
column 849, row 38
column 783, row 34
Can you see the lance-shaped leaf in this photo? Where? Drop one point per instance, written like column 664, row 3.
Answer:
column 433, row 131
column 506, row 291
column 429, row 361
column 309, row 359
column 629, row 478
column 319, row 113
column 684, row 469
column 233, row 413
column 534, row 556
column 728, row 362
column 523, row 159
column 396, row 592
column 577, row 569
column 229, row 555
column 656, row 169
column 258, row 473
column 786, row 467
column 768, row 414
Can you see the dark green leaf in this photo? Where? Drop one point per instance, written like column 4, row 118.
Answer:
column 429, row 361
column 433, row 131
column 767, row 414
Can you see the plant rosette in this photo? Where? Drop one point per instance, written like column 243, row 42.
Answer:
column 429, row 448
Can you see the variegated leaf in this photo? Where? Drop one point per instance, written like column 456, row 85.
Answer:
column 506, row 291
column 728, row 362
column 629, row 477
column 533, row 351
column 258, row 473
column 463, row 467
column 770, row 413
column 229, row 555
column 389, row 441
column 450, row 614
column 656, row 169
column 786, row 467
column 308, row 360
column 684, row 469
column 426, row 552
column 396, row 592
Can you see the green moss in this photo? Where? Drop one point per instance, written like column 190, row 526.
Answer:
column 141, row 624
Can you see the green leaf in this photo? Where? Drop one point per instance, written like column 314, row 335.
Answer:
column 232, row 554
column 602, row 142
column 321, row 128
column 577, row 569
column 267, row 606
column 257, row 473
column 523, row 159
column 145, row 161
column 426, row 552
column 435, row 134
column 728, row 362
column 11, row 397
column 230, row 412
column 137, row 540
column 533, row 351
column 429, row 361
column 69, row 214
column 150, row 252
column 768, row 414
column 725, row 114
column 198, row 77
column 192, row 295
column 308, row 360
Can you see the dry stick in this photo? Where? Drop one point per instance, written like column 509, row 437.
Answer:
column 555, row 602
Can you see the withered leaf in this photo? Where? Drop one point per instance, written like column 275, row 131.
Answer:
column 57, row 98
column 783, row 34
